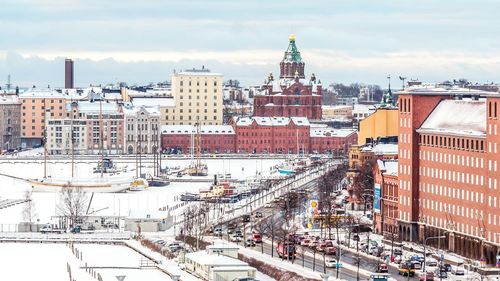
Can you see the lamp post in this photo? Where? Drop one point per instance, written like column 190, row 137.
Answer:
column 425, row 242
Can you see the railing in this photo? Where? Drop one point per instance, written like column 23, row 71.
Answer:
column 63, row 237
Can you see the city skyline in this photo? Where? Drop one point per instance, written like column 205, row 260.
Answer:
column 340, row 41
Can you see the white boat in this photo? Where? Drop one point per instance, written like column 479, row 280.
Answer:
column 101, row 185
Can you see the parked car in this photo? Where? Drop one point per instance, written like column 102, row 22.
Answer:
column 249, row 242
column 406, row 269
column 51, row 228
column 446, row 267
column 428, row 276
column 431, row 262
column 457, row 271
column 382, row 268
column 330, row 251
column 286, row 250
column 440, row 274
column 332, row 262
column 258, row 214
column 398, row 252
column 246, row 218
column 218, row 230
column 305, row 242
column 235, row 238
column 416, row 265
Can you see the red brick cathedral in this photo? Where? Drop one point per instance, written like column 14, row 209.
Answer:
column 291, row 95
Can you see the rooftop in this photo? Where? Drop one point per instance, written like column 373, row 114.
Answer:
column 272, row 121
column 457, row 117
column 162, row 102
column 390, row 167
column 190, row 129
column 201, row 257
column 330, row 132
column 435, row 89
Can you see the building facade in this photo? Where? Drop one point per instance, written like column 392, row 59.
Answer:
column 34, row 106
column 291, row 95
column 59, row 136
column 448, row 169
column 386, row 199
column 142, row 129
column 214, row 138
column 10, row 122
column 198, row 97
column 381, row 123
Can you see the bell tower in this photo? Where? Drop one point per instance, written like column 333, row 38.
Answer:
column 292, row 65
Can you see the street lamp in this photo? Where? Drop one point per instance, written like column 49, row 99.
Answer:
column 425, row 242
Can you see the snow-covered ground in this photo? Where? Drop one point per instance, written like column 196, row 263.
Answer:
column 112, row 203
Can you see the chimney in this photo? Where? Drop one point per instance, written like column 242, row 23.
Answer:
column 68, row 74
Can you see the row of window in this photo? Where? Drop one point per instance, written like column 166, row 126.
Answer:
column 181, row 83
column 451, row 158
column 452, row 142
column 42, row 100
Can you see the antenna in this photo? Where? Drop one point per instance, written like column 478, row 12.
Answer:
column 402, row 79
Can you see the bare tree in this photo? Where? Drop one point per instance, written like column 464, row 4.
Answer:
column 364, row 180
column 29, row 211
column 72, row 204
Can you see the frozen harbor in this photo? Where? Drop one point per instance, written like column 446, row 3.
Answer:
column 112, row 203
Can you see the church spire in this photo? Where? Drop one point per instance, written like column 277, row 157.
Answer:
column 292, row 61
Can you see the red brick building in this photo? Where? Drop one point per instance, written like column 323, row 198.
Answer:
column 291, row 95
column 214, row 138
column 280, row 135
column 449, row 182
column 386, row 198
column 272, row 135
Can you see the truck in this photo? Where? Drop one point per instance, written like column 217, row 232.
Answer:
column 51, row 228
column 286, row 250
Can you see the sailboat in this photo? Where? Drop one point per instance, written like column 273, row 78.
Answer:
column 102, row 184
column 197, row 167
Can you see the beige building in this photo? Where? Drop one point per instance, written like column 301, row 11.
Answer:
column 198, row 95
column 141, row 129
column 10, row 122
column 339, row 112
column 59, row 136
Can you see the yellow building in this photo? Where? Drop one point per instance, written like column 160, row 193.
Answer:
column 382, row 123
column 198, row 96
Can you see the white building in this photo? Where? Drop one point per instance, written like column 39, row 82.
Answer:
column 59, row 136
column 141, row 127
column 215, row 267
column 198, row 96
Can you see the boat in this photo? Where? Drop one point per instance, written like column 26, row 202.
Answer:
column 158, row 181
column 138, row 184
column 107, row 166
column 286, row 170
column 198, row 169
column 101, row 185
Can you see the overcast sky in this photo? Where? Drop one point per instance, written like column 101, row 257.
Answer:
column 340, row 41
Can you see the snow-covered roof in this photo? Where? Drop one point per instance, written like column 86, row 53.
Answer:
column 435, row 89
column 133, row 110
column 140, row 214
column 190, row 129
column 390, row 167
column 9, row 99
column 363, row 108
column 330, row 132
column 382, row 148
column 42, row 93
column 162, row 102
column 272, row 121
column 201, row 257
column 95, row 107
column 457, row 117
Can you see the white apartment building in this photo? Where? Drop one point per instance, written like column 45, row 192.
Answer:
column 198, row 95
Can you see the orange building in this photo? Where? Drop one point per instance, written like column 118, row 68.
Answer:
column 34, row 104
column 449, row 179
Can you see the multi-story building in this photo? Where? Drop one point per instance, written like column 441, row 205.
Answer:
column 198, row 97
column 142, row 125
column 385, row 201
column 382, row 122
column 272, row 135
column 448, row 169
column 336, row 112
column 213, row 138
column 329, row 140
column 10, row 122
column 291, row 95
column 59, row 136
column 34, row 104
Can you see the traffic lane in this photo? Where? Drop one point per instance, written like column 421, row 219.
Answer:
column 307, row 262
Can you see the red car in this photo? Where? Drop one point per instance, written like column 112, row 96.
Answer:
column 257, row 238
column 330, row 251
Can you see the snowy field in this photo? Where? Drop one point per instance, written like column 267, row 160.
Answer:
column 112, row 203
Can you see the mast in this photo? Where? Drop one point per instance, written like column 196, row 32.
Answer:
column 139, row 151
column 44, row 140
column 101, row 139
column 72, row 142
column 198, row 147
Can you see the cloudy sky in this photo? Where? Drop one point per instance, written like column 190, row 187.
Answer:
column 341, row 41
